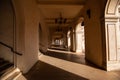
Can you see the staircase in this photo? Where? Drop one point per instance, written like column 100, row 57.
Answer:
column 12, row 74
column 4, row 66
column 7, row 70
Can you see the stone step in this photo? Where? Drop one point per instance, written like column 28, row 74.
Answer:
column 5, row 70
column 14, row 76
column 11, row 75
column 4, row 66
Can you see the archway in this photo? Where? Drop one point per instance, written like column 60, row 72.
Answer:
column 80, row 42
column 69, row 40
column 112, row 29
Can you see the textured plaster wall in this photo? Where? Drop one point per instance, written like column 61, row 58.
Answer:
column 27, row 23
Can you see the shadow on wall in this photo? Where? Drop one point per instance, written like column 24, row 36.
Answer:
column 44, row 71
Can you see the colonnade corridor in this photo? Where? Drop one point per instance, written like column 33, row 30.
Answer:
column 63, row 65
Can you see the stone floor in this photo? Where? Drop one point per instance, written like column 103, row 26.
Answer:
column 67, row 66
column 43, row 71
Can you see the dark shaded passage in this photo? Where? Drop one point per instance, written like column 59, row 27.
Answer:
column 44, row 71
column 67, row 56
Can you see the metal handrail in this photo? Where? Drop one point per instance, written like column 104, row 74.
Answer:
column 11, row 49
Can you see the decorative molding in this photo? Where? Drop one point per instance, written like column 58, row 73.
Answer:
column 111, row 19
column 111, row 7
column 108, row 43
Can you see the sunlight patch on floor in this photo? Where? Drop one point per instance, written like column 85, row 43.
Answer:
column 79, row 69
column 67, row 52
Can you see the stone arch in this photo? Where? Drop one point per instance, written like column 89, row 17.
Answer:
column 111, row 33
column 69, row 40
column 111, row 8
column 79, row 29
column 20, row 25
column 26, row 37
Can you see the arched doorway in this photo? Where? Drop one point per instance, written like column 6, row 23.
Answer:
column 112, row 29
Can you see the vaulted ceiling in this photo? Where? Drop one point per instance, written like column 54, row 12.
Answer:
column 51, row 9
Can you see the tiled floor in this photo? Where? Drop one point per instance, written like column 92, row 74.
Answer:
column 67, row 66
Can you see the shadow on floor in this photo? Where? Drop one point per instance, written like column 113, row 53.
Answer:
column 44, row 71
column 66, row 56
column 77, row 58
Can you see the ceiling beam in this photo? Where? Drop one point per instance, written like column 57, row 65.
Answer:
column 56, row 26
column 43, row 2
column 55, row 23
column 58, row 17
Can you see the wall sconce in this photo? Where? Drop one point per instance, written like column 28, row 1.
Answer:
column 82, row 24
column 88, row 12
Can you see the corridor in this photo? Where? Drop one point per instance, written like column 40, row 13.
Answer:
column 67, row 66
column 77, row 26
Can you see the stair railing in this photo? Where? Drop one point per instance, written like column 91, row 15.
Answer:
column 11, row 49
